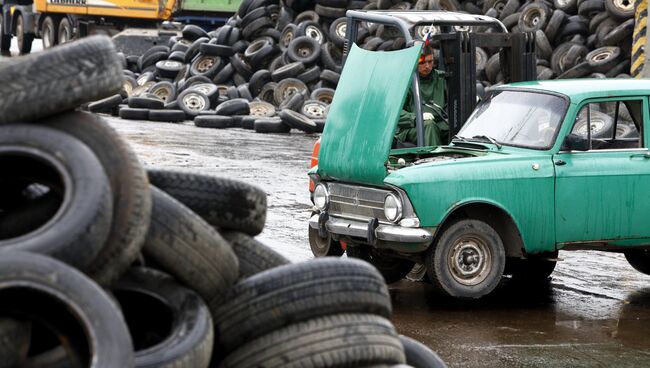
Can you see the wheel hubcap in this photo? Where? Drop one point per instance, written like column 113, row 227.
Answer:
column 314, row 110
column 470, row 261
column 205, row 64
column 194, row 102
column 314, row 33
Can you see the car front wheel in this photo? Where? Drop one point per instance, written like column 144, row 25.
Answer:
column 639, row 259
column 468, row 260
column 393, row 269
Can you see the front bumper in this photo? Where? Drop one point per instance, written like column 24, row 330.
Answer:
column 387, row 236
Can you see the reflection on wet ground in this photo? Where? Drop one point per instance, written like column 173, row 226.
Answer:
column 595, row 311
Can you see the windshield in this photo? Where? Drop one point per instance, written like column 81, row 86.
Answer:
column 516, row 118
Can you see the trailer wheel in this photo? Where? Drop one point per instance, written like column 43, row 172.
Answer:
column 49, row 32
column 65, row 33
column 5, row 39
column 24, row 39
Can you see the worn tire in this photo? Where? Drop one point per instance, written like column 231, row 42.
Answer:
column 188, row 248
column 323, row 247
column 71, row 170
column 341, row 340
column 169, row 116
column 87, row 70
column 297, row 120
column 213, row 121
column 474, row 285
column 254, row 257
column 130, row 187
column 237, row 106
column 297, row 292
column 14, row 341
column 270, row 125
column 82, row 314
column 419, row 355
column 223, row 203
column 150, row 299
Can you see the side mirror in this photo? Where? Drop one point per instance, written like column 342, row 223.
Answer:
column 574, row 142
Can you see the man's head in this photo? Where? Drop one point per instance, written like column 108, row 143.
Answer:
column 425, row 64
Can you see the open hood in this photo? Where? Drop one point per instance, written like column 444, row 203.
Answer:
column 363, row 116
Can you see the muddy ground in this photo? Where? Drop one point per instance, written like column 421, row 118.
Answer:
column 595, row 311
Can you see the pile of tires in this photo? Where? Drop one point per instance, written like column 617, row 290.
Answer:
column 106, row 264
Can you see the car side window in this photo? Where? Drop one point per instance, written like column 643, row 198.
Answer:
column 610, row 124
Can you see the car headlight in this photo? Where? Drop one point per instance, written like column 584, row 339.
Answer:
column 392, row 207
column 321, row 197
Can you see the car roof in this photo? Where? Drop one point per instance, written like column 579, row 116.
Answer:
column 580, row 89
column 437, row 17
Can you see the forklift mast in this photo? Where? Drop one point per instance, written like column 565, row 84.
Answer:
column 457, row 54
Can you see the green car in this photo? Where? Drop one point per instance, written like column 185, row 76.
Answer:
column 538, row 167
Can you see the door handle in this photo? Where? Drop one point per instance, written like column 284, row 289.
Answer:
column 642, row 155
column 560, row 162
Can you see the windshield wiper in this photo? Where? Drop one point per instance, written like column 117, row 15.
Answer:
column 492, row 140
column 459, row 138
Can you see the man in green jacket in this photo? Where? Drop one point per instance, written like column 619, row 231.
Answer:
column 432, row 92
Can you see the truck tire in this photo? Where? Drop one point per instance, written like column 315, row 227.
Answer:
column 130, row 187
column 87, row 70
column 23, row 37
column 49, row 32
column 80, row 312
column 71, row 171
column 170, row 324
column 65, row 32
column 254, row 257
column 480, row 272
column 223, row 203
column 298, row 292
column 340, row 340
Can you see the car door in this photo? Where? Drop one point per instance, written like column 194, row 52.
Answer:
column 601, row 193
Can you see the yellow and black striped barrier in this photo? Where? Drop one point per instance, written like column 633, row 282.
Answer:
column 639, row 40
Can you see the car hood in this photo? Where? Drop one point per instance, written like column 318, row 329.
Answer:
column 363, row 116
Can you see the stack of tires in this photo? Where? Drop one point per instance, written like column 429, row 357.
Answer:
column 105, row 264
column 275, row 66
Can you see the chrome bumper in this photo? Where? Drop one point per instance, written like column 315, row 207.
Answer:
column 388, row 233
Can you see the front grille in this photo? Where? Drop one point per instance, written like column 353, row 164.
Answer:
column 357, row 202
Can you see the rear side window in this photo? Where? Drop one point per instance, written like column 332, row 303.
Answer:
column 610, row 124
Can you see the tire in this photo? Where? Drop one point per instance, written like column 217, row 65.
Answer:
column 23, row 37
column 591, row 8
column 620, row 33
column 329, row 11
column 579, row 70
column 224, row 203
column 492, row 68
column 325, row 95
column 5, row 39
column 189, row 249
column 174, row 56
column 532, row 270
column 419, row 355
column 49, row 32
column 254, row 257
column 567, row 6
column 290, row 70
column 554, row 24
column 267, row 92
column 169, row 116
column 618, row 9
column 130, row 187
column 129, row 113
column 601, row 128
column 330, row 77
column 258, row 80
column 70, row 170
column 255, row 26
column 270, row 125
column 297, row 292
column 337, row 31
column 314, row 109
column 293, row 103
column 258, row 52
column 192, row 102
column 543, row 46
column 304, row 49
column 311, row 75
column 65, row 32
column 150, row 301
column 323, row 342
column 80, row 312
column 207, row 66
column 323, row 247
column 165, row 91
column 330, row 58
column 146, row 103
column 533, row 17
column 106, row 105
column 241, row 66
column 297, row 120
column 392, row 269
column 261, row 109
column 193, row 33
column 15, row 337
column 213, row 121
column 87, row 70
column 466, row 238
column 288, row 87
column 639, row 259
column 216, row 50
column 237, row 106
column 604, row 58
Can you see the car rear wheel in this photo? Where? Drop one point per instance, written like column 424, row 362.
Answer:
column 393, row 269
column 639, row 259
column 468, row 260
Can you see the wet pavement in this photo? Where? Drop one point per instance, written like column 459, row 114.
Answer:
column 595, row 311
